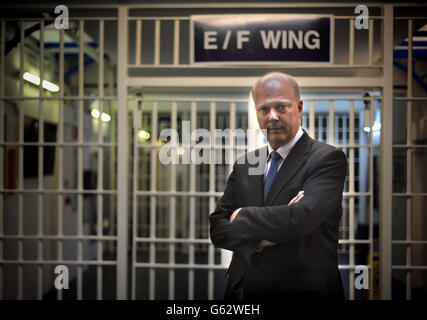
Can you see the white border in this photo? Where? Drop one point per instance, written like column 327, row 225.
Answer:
column 266, row 63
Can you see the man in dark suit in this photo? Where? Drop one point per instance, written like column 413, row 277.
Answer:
column 282, row 224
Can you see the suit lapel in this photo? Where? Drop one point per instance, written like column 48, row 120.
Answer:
column 290, row 166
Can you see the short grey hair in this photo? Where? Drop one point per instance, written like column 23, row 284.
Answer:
column 279, row 76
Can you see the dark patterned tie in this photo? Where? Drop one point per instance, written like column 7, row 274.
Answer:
column 275, row 158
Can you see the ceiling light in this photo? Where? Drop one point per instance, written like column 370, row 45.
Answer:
column 36, row 80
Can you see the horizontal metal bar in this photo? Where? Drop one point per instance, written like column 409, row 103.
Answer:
column 352, row 146
column 222, row 5
column 199, row 145
column 351, row 267
column 217, row 194
column 401, row 267
column 174, row 240
column 157, row 18
column 361, row 241
column 59, row 98
column 410, row 98
column 256, row 66
column 410, row 146
column 409, row 242
column 236, row 147
column 410, row 18
column 178, row 193
column 189, row 99
column 355, row 17
column 248, row 82
column 409, row 194
column 62, row 237
column 178, row 266
column 52, row 19
column 65, row 262
column 56, row 191
column 331, row 98
column 61, row 144
column 208, row 241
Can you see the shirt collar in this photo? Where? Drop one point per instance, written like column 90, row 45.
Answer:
column 286, row 148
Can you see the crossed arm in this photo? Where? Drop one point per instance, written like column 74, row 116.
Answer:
column 240, row 229
column 297, row 198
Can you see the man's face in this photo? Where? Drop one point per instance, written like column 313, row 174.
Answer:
column 277, row 111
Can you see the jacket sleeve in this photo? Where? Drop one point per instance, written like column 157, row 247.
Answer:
column 282, row 224
column 220, row 225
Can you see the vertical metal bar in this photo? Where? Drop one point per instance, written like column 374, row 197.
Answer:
column 157, row 43
column 337, row 129
column 80, row 163
column 211, row 198
column 61, row 151
column 320, row 128
column 304, row 121
column 100, row 157
column 153, row 202
column 331, row 122
column 138, row 43
column 351, row 43
column 386, row 152
column 344, row 218
column 2, row 148
column 123, row 154
column 409, row 160
column 311, row 120
column 136, row 115
column 176, row 43
column 21, row 160
column 172, row 208
column 371, row 204
column 192, row 217
column 40, row 168
column 351, row 202
column 371, row 41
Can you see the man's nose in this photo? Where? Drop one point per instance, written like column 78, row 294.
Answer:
column 273, row 115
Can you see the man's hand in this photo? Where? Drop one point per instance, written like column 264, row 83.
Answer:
column 297, row 198
column 233, row 216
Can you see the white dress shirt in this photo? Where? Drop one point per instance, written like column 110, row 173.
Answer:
column 283, row 151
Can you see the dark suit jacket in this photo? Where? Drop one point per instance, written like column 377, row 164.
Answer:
column 303, row 263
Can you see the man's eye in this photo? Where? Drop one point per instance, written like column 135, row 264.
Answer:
column 281, row 108
column 264, row 110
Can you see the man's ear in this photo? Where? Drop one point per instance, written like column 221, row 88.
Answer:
column 300, row 109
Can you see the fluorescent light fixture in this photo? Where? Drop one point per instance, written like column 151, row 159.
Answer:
column 96, row 114
column 50, row 86
column 143, row 135
column 36, row 80
column 376, row 126
column 31, row 78
column 105, row 117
